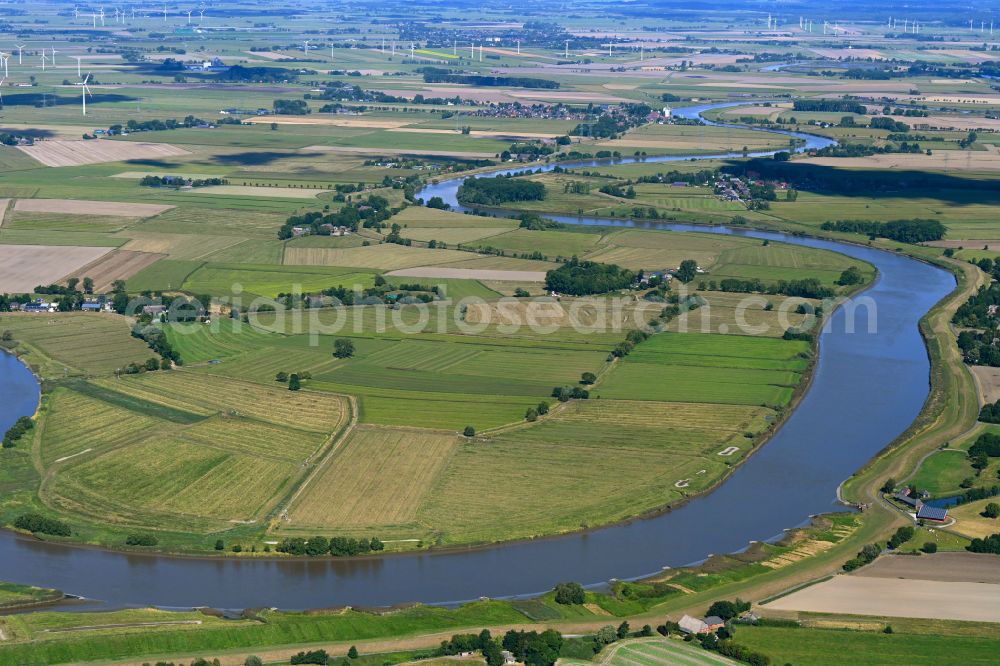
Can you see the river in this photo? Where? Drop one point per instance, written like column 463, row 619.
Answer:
column 867, row 388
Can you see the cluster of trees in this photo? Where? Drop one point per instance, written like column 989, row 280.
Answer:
column 975, row 312
column 438, row 75
column 533, row 648
column 570, row 594
column 865, row 556
column 291, row 107
column 916, row 230
column 151, row 365
column 17, row 431
column 9, row 139
column 370, row 213
column 850, row 276
column 141, row 540
column 566, row 393
column 535, row 222
column 532, row 413
column 177, row 182
column 978, row 348
column 580, row 278
column 243, row 74
column 890, row 124
column 990, row 544
column 990, row 413
column 156, row 338
column 701, row 177
column 499, row 190
column 830, row 106
column 901, row 536
column 619, row 191
column 39, row 524
column 310, row 657
column 632, row 338
column 337, row 546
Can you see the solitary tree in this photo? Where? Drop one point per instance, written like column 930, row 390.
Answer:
column 343, row 348
column 293, row 382
column 687, row 270
column 588, row 378
column 253, row 660
column 352, row 653
column 992, row 510
column 469, row 431
column 88, row 285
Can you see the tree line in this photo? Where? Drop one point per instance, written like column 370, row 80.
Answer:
column 916, row 230
column 499, row 190
column 337, row 546
column 581, row 278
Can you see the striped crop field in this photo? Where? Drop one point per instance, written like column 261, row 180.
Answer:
column 377, row 479
column 178, row 450
column 77, row 343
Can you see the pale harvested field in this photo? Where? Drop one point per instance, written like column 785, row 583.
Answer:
column 958, row 122
column 470, row 274
column 332, row 119
column 256, row 191
column 83, row 207
column 973, row 160
column 4, row 205
column 379, row 477
column 581, row 313
column 96, row 151
column 116, row 265
column 988, row 380
column 893, row 597
column 943, row 567
column 763, row 111
column 24, row 267
column 392, row 151
column 970, row 522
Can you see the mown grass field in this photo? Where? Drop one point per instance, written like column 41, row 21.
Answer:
column 654, row 652
column 824, row 647
column 75, row 343
column 165, row 451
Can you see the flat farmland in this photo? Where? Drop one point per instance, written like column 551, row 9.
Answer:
column 85, row 207
column 83, row 343
column 704, row 368
column 24, row 267
column 74, row 153
column 387, row 256
column 654, row 652
column 270, row 280
column 377, row 479
column 116, row 265
column 164, row 450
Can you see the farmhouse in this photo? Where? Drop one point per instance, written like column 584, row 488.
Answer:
column 693, row 625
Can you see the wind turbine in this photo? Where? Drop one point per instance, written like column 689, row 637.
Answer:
column 201, row 12
column 567, row 49
column 164, row 12
column 78, row 73
column 53, row 58
column 5, row 57
column 1, row 91
column 84, row 91
column 102, row 17
column 94, row 16
column 189, row 17
column 19, row 47
column 43, row 58
column 305, row 47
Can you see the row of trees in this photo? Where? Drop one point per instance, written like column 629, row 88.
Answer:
column 20, row 428
column 39, row 524
column 337, row 546
column 917, row 230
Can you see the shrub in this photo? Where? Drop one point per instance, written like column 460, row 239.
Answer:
column 141, row 540
column 569, row 594
column 39, row 524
